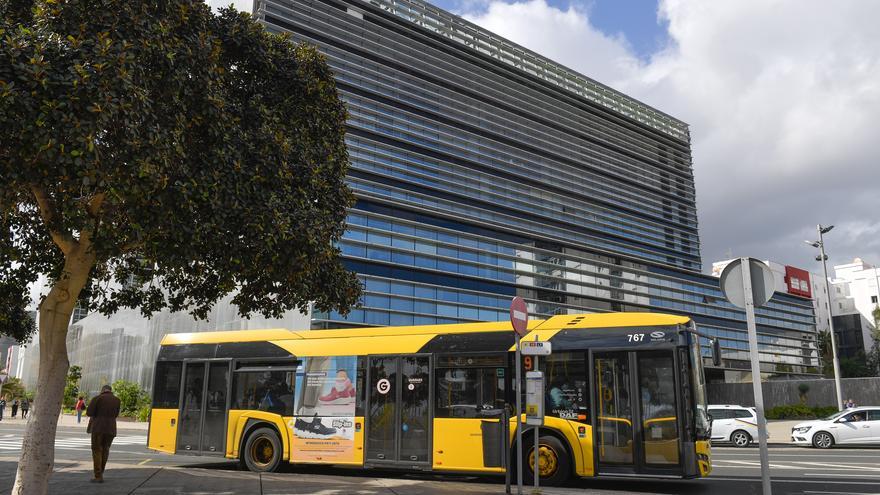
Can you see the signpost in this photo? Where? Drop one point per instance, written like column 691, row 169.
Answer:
column 748, row 283
column 535, row 396
column 519, row 318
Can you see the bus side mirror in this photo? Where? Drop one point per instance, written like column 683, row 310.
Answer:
column 716, row 352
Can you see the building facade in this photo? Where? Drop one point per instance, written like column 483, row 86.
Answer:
column 855, row 290
column 484, row 171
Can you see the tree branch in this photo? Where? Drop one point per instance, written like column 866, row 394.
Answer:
column 94, row 205
column 93, row 208
column 62, row 239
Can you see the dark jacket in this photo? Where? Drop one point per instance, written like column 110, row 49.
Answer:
column 102, row 412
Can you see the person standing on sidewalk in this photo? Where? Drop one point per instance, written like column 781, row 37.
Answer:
column 14, row 407
column 25, row 407
column 102, row 412
column 79, row 407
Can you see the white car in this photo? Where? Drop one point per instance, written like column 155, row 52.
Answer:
column 859, row 425
column 735, row 424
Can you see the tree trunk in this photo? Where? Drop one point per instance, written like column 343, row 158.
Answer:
column 38, row 447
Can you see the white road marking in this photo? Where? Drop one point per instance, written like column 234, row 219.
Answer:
column 869, row 467
column 75, row 443
column 854, row 475
column 806, row 482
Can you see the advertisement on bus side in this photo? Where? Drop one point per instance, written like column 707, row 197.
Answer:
column 323, row 428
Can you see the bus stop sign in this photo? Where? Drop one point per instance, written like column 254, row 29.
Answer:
column 519, row 316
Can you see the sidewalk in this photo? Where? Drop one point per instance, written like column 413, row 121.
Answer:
column 73, row 477
column 69, row 421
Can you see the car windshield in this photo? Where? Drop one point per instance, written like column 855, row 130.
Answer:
column 835, row 416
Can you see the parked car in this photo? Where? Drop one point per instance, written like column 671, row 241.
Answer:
column 859, row 425
column 735, row 424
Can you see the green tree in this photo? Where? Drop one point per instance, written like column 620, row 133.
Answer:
column 14, row 389
column 803, row 388
column 156, row 155
column 825, row 353
column 71, row 386
column 131, row 397
column 854, row 367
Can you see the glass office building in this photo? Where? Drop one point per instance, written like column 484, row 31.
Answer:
column 484, row 171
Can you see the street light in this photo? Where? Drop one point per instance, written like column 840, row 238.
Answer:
column 820, row 244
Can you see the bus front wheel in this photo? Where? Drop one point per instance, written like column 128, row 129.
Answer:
column 554, row 463
column 262, row 451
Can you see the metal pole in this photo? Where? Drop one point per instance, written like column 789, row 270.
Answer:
column 518, row 391
column 537, row 451
column 505, row 448
column 756, row 373
column 834, row 358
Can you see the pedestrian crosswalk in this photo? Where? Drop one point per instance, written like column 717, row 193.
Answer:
column 13, row 442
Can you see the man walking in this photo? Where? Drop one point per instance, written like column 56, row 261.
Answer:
column 2, row 407
column 102, row 412
column 25, row 407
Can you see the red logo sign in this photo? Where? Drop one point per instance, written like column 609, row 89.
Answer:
column 797, row 281
column 519, row 316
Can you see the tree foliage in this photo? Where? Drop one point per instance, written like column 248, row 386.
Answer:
column 131, row 397
column 156, row 155
column 190, row 154
column 71, row 386
column 14, row 389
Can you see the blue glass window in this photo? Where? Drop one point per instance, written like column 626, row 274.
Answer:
column 425, row 292
column 378, row 254
column 400, row 320
column 399, row 304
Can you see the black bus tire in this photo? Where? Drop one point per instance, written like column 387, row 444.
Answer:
column 262, row 451
column 559, row 460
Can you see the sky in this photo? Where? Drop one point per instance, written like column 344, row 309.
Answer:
column 782, row 98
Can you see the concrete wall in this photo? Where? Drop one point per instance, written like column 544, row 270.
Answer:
column 864, row 391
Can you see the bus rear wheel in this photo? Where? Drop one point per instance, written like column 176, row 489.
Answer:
column 262, row 451
column 554, row 463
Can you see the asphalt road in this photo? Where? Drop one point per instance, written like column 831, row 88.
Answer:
column 737, row 471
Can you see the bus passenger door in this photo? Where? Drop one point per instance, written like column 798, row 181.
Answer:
column 202, row 425
column 398, row 422
column 637, row 424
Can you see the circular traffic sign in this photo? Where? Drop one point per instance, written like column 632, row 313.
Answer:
column 519, row 316
column 761, row 277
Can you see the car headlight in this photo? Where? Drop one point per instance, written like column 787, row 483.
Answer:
column 803, row 429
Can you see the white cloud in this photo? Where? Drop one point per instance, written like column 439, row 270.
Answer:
column 782, row 98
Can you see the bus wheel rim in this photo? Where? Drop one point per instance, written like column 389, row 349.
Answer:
column 548, row 461
column 262, row 452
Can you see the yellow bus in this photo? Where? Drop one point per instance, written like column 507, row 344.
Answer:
column 625, row 395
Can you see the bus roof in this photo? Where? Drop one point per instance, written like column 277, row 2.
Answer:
column 413, row 339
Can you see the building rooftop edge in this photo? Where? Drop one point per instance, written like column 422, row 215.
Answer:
column 466, row 33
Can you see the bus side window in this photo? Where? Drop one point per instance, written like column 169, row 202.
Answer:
column 166, row 389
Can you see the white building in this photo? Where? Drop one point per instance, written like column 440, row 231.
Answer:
column 854, row 297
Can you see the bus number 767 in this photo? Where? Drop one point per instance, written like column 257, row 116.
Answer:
column 635, row 337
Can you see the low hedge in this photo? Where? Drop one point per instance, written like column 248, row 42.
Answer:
column 800, row 411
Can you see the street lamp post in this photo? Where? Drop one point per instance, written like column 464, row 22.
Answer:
column 823, row 258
